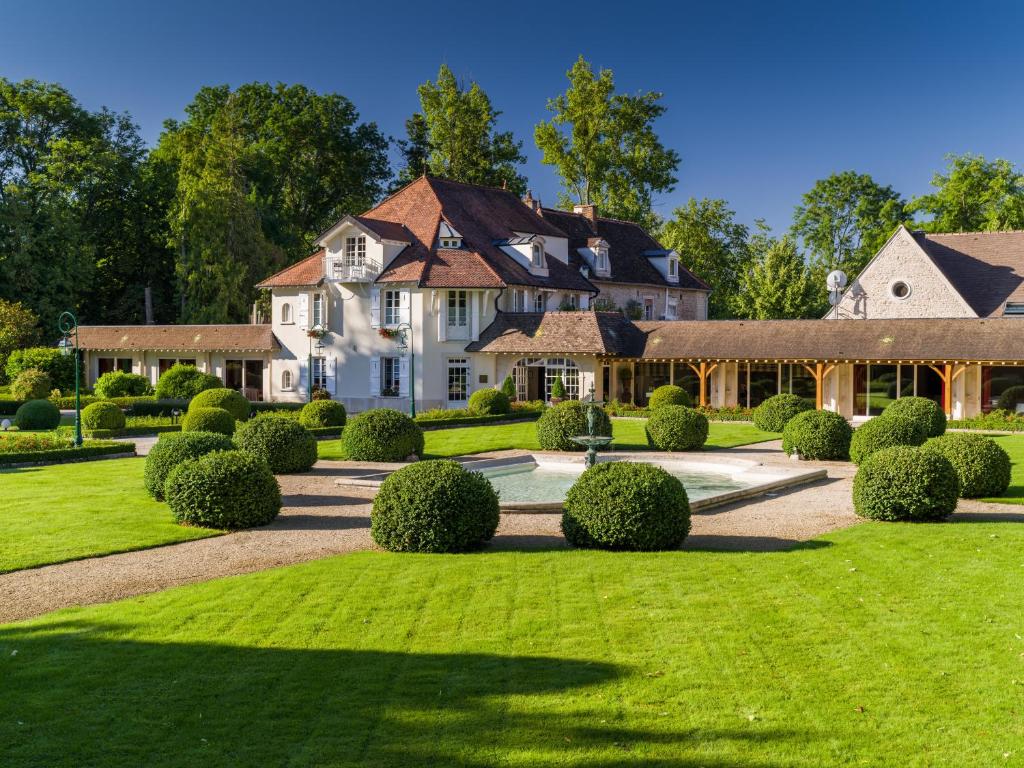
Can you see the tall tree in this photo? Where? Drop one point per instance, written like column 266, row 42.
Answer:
column 260, row 171
column 973, row 194
column 604, row 146
column 712, row 245
column 19, row 327
column 776, row 285
column 844, row 219
column 454, row 136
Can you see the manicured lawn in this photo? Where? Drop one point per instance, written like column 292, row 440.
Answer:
column 628, row 434
column 880, row 645
column 69, row 511
column 1014, row 445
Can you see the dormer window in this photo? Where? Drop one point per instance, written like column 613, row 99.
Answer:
column 673, row 269
column 451, row 242
column 537, row 254
column 602, row 258
column 447, row 237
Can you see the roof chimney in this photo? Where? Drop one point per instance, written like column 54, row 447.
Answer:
column 533, row 205
column 588, row 211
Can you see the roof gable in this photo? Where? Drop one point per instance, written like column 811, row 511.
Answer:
column 985, row 268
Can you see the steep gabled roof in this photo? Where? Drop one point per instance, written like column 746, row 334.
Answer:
column 541, row 333
column 309, row 271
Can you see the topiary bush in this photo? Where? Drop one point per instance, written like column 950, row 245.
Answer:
column 37, row 414
column 626, row 506
column 922, row 410
column 434, row 506
column 885, row 432
column 484, row 402
column 1010, row 398
column 508, row 386
column 822, row 435
column 183, row 382
column 31, row 384
column 225, row 489
column 677, row 428
column 284, row 444
column 905, row 483
column 208, row 420
column 174, row 448
column 121, row 384
column 322, row 413
column 102, row 415
column 669, row 394
column 382, row 434
column 774, row 413
column 981, row 464
column 230, row 400
column 565, row 420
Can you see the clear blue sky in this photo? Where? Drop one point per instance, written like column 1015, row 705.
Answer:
column 763, row 98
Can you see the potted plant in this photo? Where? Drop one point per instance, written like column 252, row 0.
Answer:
column 557, row 390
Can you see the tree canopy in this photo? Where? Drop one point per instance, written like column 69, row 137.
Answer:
column 776, row 283
column 974, row 194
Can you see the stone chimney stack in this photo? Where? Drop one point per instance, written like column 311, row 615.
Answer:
column 533, row 205
column 589, row 211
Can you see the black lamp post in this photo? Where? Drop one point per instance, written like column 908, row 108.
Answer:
column 68, row 325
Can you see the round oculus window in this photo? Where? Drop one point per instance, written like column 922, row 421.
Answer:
column 900, row 290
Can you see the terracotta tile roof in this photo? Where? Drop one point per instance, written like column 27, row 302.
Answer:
column 180, row 338
column 627, row 245
column 986, row 268
column 597, row 333
column 309, row 271
column 389, row 230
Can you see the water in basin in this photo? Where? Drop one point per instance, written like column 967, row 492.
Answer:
column 528, row 482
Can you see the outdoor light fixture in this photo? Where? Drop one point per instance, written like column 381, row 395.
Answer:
column 68, row 325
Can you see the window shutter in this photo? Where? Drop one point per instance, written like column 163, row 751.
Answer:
column 303, row 319
column 374, row 377
column 404, row 314
column 302, row 385
column 375, row 310
column 330, row 374
column 403, row 376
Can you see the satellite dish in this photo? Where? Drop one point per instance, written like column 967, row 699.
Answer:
column 834, row 297
column 836, row 280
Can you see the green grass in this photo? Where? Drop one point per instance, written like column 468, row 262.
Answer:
column 628, row 434
column 880, row 645
column 1014, row 445
column 70, row 511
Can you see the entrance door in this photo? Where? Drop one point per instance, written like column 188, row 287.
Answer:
column 458, row 382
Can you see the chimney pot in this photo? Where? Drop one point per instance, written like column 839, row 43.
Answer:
column 588, row 211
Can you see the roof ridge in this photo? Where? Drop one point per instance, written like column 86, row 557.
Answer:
column 599, row 218
column 972, row 232
column 446, row 180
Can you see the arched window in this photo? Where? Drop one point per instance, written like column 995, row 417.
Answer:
column 535, row 376
column 538, row 254
column 286, row 378
column 286, row 313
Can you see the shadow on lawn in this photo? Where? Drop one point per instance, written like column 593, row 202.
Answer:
column 78, row 694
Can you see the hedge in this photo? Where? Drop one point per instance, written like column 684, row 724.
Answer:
column 626, row 506
column 208, row 420
column 460, row 418
column 284, row 444
column 669, row 394
column 151, row 407
column 677, row 428
column 981, row 464
column 171, row 451
column 434, row 506
column 60, row 367
column 1010, row 398
column 322, row 413
column 224, row 489
column 183, row 382
column 921, row 409
column 37, row 414
column 89, row 449
column 156, row 429
column 822, row 435
column 774, row 413
column 382, row 434
column 488, row 402
column 230, row 400
column 568, row 419
column 905, row 483
column 885, row 432
column 102, row 415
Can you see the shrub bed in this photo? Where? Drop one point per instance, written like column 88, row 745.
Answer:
column 774, row 413
column 434, row 506
column 120, row 384
column 183, row 382
column 31, row 384
column 885, row 432
column 50, row 360
column 382, row 434
column 284, row 444
column 172, row 450
column 322, row 413
column 626, row 506
column 222, row 397
column 208, row 420
column 677, row 428
column 224, row 489
column 669, row 394
column 905, row 483
column 102, row 415
column 90, row 449
column 922, row 410
column 150, row 407
column 565, row 420
column 822, row 435
column 487, row 402
column 263, row 406
column 982, row 466
column 37, row 414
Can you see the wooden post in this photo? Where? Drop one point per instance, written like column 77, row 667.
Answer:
column 819, row 372
column 703, row 372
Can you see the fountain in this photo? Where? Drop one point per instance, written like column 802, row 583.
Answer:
column 592, row 441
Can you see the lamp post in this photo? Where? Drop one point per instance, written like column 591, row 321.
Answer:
column 316, row 332
column 68, row 325
column 403, row 345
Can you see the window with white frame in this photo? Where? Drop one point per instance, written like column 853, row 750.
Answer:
column 518, row 300
column 451, row 242
column 458, row 379
column 392, row 301
column 286, row 380
column 648, row 309
column 673, row 268
column 319, row 315
column 458, row 309
column 390, row 376
column 286, row 313
column 319, row 373
column 602, row 259
column 537, row 254
column 540, row 302
column 571, row 301
column 672, row 309
column 355, row 251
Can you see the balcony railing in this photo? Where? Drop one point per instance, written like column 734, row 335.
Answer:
column 338, row 270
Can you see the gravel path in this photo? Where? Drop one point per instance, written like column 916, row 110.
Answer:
column 322, row 519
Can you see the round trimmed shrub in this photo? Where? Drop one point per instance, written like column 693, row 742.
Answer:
column 822, row 435
column 434, row 506
column 487, row 401
column 627, row 506
column 284, row 444
column 183, row 382
column 322, row 413
column 382, row 434
column 37, row 414
column 905, row 483
column 922, row 410
column 669, row 394
column 208, row 420
column 565, row 420
column 774, row 413
column 174, row 448
column 1010, row 399
column 121, row 384
column 224, row 489
column 677, row 428
column 230, row 400
column 981, row 464
column 885, row 432
column 102, row 415
column 31, row 384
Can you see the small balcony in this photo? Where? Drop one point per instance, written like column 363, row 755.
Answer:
column 340, row 272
